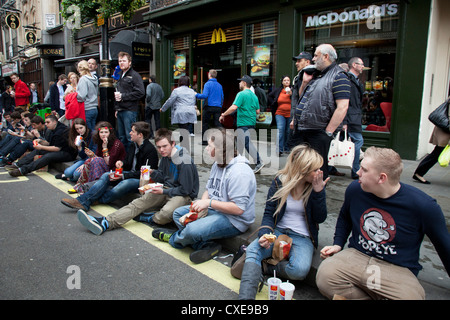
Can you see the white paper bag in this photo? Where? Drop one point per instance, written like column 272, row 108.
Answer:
column 341, row 153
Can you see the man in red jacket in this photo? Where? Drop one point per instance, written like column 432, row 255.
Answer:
column 21, row 92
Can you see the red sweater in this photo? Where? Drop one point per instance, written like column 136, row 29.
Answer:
column 22, row 93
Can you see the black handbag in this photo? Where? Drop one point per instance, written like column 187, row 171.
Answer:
column 440, row 117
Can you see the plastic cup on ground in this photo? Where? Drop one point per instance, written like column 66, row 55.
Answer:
column 274, row 285
column 286, row 291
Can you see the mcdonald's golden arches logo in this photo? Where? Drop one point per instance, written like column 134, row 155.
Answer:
column 218, row 35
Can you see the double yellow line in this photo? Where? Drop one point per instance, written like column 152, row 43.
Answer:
column 212, row 268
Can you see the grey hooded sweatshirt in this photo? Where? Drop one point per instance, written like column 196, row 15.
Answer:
column 236, row 182
column 87, row 90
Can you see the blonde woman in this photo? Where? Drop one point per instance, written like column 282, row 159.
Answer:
column 295, row 206
column 73, row 82
column 87, row 90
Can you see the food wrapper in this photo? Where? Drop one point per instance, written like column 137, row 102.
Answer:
column 192, row 215
column 148, row 187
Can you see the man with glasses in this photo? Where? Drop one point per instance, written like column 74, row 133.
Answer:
column 353, row 119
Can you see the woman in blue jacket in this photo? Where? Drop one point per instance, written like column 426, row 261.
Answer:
column 295, row 205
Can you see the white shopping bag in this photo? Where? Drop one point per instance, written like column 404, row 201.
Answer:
column 341, row 153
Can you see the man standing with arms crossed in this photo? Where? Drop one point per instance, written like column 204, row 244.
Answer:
column 323, row 103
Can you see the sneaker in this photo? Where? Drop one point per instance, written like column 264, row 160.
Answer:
column 162, row 234
column 5, row 163
column 145, row 217
column 206, row 253
column 95, row 225
column 258, row 167
column 72, row 203
column 15, row 173
column 11, row 166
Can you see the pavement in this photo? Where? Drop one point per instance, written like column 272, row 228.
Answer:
column 433, row 277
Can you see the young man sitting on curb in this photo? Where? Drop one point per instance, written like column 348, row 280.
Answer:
column 228, row 202
column 385, row 222
column 55, row 149
column 176, row 172
column 141, row 152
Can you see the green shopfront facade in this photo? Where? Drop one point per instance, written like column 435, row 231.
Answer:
column 260, row 38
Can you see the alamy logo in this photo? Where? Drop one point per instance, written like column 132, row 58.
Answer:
column 74, row 20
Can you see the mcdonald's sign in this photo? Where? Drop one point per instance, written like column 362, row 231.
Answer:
column 218, row 35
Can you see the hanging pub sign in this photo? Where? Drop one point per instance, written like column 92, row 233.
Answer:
column 31, row 38
column 12, row 21
column 142, row 51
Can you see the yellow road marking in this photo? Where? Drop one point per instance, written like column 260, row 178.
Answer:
column 212, row 268
column 17, row 179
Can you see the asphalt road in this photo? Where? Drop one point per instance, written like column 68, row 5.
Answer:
column 46, row 254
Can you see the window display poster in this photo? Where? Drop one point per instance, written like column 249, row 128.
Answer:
column 179, row 68
column 260, row 61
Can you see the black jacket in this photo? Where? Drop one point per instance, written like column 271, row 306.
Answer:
column 59, row 137
column 316, row 211
column 146, row 154
column 353, row 119
column 132, row 89
column 54, row 96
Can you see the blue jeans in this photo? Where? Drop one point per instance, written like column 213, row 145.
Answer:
column 91, row 118
column 124, row 121
column 300, row 257
column 242, row 132
column 102, row 192
column 8, row 144
column 357, row 139
column 198, row 233
column 71, row 172
column 283, row 132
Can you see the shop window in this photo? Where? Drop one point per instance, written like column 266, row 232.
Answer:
column 180, row 59
column 370, row 33
column 261, row 55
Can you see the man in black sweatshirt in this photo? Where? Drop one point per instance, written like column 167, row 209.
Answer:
column 55, row 149
column 180, row 180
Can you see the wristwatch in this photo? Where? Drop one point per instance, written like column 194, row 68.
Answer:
column 330, row 134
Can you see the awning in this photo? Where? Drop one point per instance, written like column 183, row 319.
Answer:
column 124, row 41
column 73, row 60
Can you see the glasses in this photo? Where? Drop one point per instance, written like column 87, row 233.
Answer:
column 361, row 64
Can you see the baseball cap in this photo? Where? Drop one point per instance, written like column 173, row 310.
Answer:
column 246, row 79
column 303, row 55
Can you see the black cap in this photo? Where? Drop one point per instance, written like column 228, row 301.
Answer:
column 246, row 79
column 303, row 55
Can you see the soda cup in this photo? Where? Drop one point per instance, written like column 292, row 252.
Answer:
column 286, row 291
column 118, row 172
column 78, row 141
column 274, row 285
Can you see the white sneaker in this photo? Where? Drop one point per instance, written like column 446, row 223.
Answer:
column 192, row 135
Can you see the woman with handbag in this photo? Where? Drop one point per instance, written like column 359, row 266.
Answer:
column 296, row 204
column 440, row 138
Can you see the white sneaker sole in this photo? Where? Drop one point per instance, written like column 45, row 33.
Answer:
column 92, row 226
